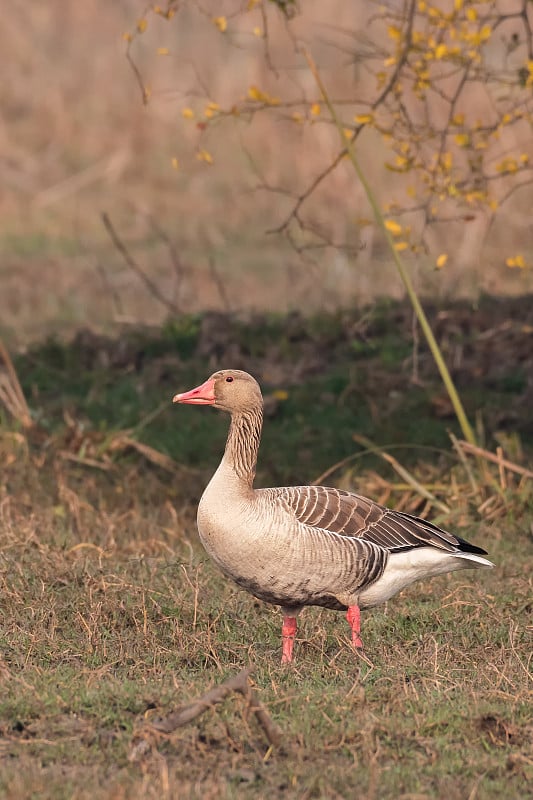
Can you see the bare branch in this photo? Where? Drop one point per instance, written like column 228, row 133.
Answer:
column 179, row 268
column 145, row 94
column 219, row 283
column 132, row 264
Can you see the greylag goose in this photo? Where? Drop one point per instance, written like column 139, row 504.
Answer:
column 308, row 545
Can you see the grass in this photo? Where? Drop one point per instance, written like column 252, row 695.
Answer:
column 112, row 614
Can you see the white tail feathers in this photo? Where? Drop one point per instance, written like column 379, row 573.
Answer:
column 483, row 562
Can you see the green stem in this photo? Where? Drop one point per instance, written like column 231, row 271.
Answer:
column 460, row 413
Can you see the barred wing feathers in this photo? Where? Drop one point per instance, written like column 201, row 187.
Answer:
column 354, row 516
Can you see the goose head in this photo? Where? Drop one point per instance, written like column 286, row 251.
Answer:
column 231, row 390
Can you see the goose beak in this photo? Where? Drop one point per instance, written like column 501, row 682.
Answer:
column 203, row 395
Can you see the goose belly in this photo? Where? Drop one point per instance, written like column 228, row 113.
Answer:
column 405, row 568
column 275, row 567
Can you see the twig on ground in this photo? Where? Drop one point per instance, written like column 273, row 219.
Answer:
column 464, row 461
column 501, row 468
column 238, row 683
column 11, row 394
column 402, row 472
column 122, row 442
column 86, row 462
column 467, row 447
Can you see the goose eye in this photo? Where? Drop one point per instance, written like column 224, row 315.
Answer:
column 229, row 379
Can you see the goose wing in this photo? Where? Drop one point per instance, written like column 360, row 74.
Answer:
column 358, row 517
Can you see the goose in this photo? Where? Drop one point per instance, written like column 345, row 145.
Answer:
column 311, row 545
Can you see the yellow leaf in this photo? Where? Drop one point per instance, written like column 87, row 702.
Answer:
column 507, row 165
column 458, row 119
column 422, row 6
column 204, row 155
column 462, row 139
column 175, row 163
column 188, row 113
column 524, row 158
column 399, row 246
column 364, row 119
column 297, row 117
column 389, row 62
column 315, row 109
column 280, row 394
column 441, row 260
column 162, row 51
column 393, row 227
column 458, row 4
column 471, row 14
column 127, row 37
column 348, row 133
column 213, row 106
column 221, row 23
column 254, row 93
column 394, row 32
column 257, row 31
column 440, row 51
column 142, row 24
column 516, row 261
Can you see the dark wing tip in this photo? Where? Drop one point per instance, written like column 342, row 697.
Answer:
column 466, row 547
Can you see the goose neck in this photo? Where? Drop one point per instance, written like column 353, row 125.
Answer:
column 243, row 444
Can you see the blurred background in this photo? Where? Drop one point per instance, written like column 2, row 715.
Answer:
column 173, row 201
column 195, row 199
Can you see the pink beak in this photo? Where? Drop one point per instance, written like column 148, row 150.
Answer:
column 203, row 395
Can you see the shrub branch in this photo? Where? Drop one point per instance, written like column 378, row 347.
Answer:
column 460, row 413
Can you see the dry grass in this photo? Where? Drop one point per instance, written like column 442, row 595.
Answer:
column 111, row 615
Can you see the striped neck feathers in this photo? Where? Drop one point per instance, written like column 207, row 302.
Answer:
column 243, row 443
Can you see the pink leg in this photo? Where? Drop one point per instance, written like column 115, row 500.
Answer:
column 288, row 632
column 353, row 615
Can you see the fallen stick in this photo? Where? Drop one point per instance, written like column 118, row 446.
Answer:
column 238, row 683
column 502, row 462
